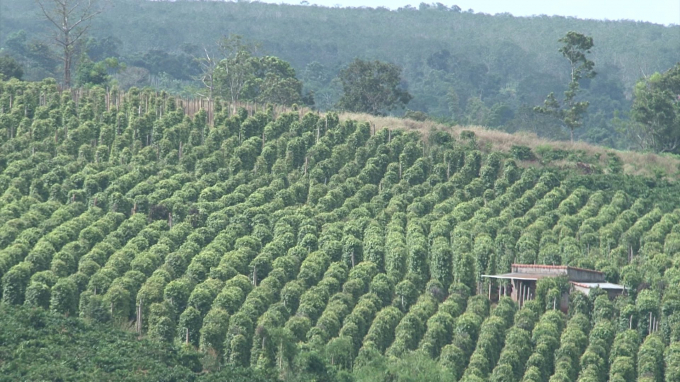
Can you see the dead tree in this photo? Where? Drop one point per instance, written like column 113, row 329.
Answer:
column 71, row 20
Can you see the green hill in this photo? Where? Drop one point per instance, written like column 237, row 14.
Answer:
column 299, row 243
column 473, row 68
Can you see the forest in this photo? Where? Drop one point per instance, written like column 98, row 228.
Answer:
column 460, row 66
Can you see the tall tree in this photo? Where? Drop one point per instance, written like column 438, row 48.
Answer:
column 10, row 68
column 274, row 81
column 71, row 20
column 236, row 73
column 372, row 87
column 656, row 109
column 230, row 75
column 570, row 111
column 207, row 76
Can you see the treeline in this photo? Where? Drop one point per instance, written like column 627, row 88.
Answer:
column 459, row 66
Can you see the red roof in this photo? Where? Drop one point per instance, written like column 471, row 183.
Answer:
column 541, row 266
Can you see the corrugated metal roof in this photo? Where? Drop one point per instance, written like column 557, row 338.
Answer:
column 599, row 285
column 521, row 276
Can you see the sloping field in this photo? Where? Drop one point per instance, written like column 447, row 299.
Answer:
column 634, row 163
column 260, row 234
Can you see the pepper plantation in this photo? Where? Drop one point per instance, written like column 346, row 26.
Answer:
column 257, row 237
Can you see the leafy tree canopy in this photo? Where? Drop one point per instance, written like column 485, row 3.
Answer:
column 10, row 68
column 241, row 75
column 656, row 109
column 570, row 111
column 372, row 87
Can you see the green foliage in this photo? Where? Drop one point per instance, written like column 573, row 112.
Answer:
column 64, row 297
column 240, row 75
column 79, row 351
column 95, row 73
column 651, row 359
column 414, row 366
column 354, row 251
column 371, row 87
column 571, row 111
column 10, row 68
column 656, row 111
column 522, row 153
column 672, row 370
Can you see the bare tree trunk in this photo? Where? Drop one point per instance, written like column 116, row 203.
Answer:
column 68, row 59
column 70, row 19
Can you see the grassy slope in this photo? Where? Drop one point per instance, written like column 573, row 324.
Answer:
column 635, row 163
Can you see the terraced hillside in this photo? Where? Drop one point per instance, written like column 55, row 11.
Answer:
column 257, row 235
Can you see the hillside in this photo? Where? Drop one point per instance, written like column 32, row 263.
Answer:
column 544, row 152
column 36, row 345
column 468, row 67
column 295, row 243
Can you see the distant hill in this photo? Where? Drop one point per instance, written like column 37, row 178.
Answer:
column 472, row 68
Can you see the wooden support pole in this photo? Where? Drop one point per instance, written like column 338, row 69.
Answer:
column 139, row 317
column 141, row 304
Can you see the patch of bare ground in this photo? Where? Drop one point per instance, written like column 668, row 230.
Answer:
column 634, row 163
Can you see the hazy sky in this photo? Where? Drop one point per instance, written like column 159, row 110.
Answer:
column 655, row 11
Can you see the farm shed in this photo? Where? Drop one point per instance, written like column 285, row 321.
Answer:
column 523, row 278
